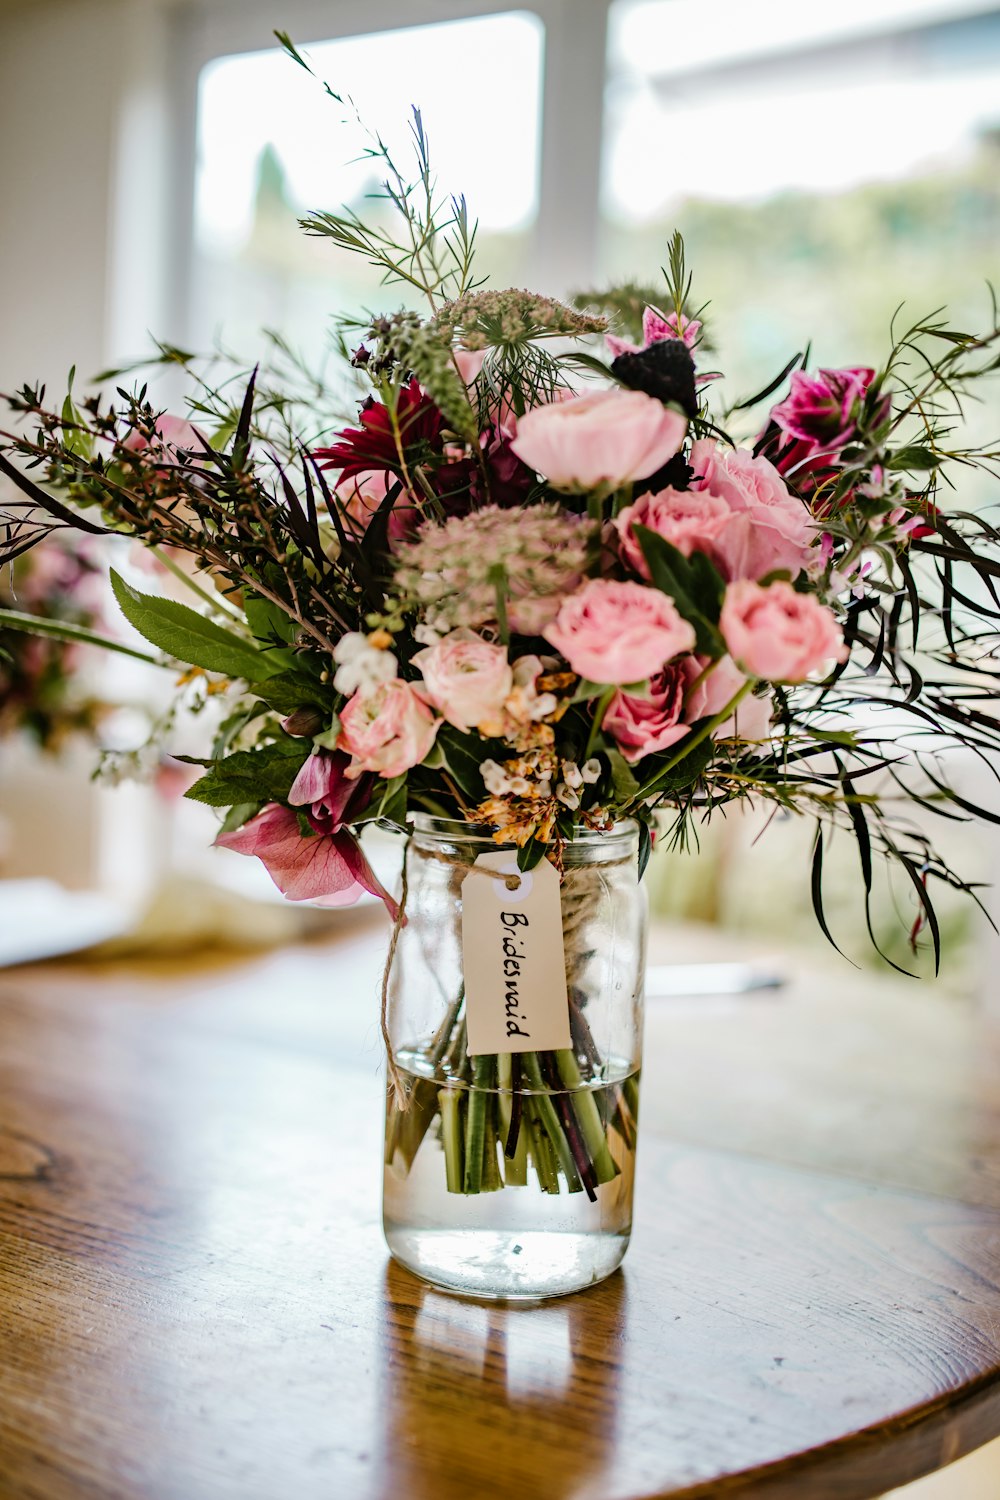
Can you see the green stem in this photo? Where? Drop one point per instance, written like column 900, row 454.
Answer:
column 75, row 634
column 540, row 1148
column 686, row 746
column 475, row 1127
column 547, row 1114
column 516, row 1166
column 603, row 704
column 584, row 1106
column 216, row 602
column 449, row 1100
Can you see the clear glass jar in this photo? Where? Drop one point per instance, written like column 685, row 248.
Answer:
column 512, row 1175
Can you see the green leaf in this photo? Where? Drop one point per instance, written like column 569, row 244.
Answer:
column 913, row 459
column 287, row 691
column 531, row 854
column 263, row 775
column 239, row 814
column 684, row 774
column 189, row 637
column 623, row 783
column 388, row 803
column 645, row 847
column 328, row 739
column 693, row 583
column 464, row 754
column 268, row 621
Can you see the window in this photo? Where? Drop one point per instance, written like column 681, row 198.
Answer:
column 821, row 163
column 271, row 145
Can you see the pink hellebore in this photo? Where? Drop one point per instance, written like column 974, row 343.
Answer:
column 328, row 866
column 601, row 440
column 617, row 633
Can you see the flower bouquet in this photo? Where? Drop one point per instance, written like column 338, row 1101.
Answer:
column 41, row 693
column 545, row 591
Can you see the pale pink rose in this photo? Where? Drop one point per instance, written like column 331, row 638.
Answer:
column 643, row 725
column 388, row 730
column 172, row 433
column 750, row 720
column 771, row 530
column 618, row 633
column 468, row 362
column 360, row 496
column 778, row 635
column 466, row 678
column 692, row 520
column 601, row 440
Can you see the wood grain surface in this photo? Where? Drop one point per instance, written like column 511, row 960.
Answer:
column 195, row 1301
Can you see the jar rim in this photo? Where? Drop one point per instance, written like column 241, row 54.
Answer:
column 456, row 830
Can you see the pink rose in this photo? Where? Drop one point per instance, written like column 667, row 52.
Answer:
column 771, row 531
column 750, row 720
column 641, row 726
column 778, row 635
column 618, row 633
column 599, row 441
column 388, row 730
column 360, row 496
column 171, row 434
column 692, row 520
column 466, row 678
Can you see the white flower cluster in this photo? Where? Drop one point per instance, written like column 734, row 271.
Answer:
column 503, row 781
column 361, row 666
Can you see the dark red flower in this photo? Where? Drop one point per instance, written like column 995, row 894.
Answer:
column 373, row 445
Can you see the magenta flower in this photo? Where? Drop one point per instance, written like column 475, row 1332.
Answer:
column 326, row 866
column 656, row 328
column 822, row 409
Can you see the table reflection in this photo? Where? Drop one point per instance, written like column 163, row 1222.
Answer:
column 475, row 1390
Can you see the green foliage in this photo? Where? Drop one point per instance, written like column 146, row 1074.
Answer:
column 189, row 637
column 59, row 630
column 263, row 774
column 694, row 584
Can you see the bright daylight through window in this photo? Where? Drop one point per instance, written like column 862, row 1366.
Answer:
column 270, row 148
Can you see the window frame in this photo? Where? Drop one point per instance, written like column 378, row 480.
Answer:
column 565, row 234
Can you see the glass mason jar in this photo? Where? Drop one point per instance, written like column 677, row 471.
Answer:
column 511, row 1175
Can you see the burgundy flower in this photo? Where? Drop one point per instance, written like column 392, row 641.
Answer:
column 372, row 445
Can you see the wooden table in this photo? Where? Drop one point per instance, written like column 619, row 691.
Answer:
column 195, row 1301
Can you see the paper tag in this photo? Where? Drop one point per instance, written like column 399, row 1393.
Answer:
column 512, row 953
